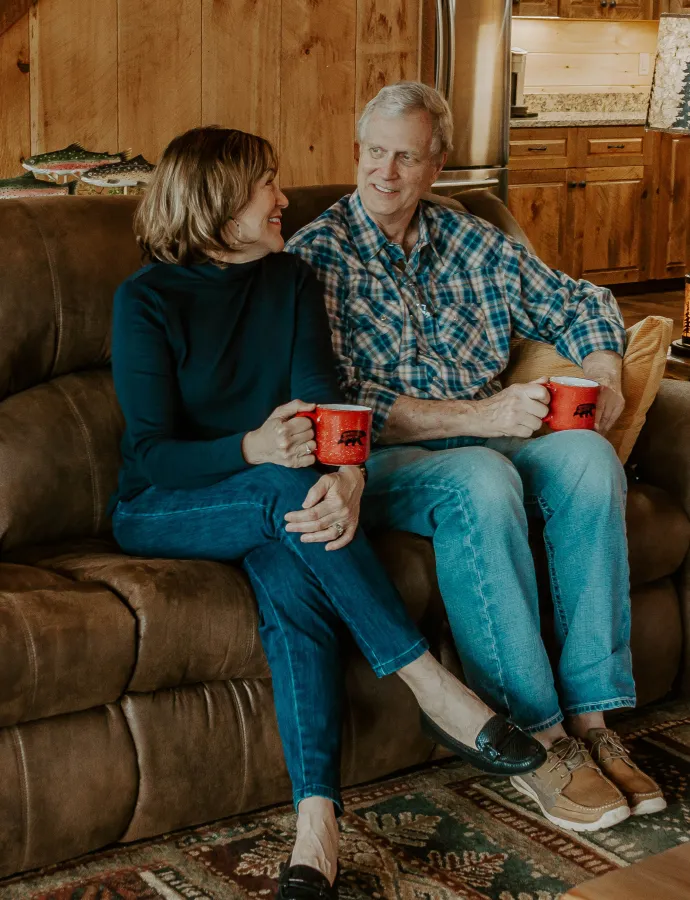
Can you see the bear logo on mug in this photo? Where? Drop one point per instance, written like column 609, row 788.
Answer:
column 585, row 410
column 352, row 438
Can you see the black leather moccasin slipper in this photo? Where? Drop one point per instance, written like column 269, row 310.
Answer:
column 501, row 748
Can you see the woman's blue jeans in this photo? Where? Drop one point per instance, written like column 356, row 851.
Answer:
column 304, row 593
column 473, row 501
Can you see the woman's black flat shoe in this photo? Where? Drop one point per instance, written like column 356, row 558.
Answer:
column 501, row 747
column 306, row 883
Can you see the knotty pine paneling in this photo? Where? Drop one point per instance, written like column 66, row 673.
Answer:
column 387, row 45
column 73, row 74
column 317, row 91
column 159, row 72
column 240, row 76
column 134, row 73
column 15, row 134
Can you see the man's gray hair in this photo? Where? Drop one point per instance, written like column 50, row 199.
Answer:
column 407, row 97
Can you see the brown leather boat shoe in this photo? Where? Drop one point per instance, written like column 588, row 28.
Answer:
column 643, row 794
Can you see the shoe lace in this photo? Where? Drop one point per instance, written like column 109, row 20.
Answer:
column 568, row 752
column 610, row 741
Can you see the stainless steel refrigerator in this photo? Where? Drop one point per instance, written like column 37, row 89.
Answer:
column 465, row 54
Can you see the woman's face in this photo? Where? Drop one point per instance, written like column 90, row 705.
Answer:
column 255, row 232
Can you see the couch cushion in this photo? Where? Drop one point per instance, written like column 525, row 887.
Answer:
column 68, row 786
column 59, row 459
column 64, row 646
column 658, row 533
column 197, row 620
column 61, row 263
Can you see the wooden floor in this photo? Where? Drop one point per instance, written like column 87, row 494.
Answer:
column 655, row 303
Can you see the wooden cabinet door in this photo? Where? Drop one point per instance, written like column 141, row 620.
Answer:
column 611, row 212
column 672, row 233
column 538, row 200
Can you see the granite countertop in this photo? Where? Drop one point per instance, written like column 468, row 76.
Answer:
column 574, row 118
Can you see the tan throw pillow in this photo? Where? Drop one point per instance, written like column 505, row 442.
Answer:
column 643, row 368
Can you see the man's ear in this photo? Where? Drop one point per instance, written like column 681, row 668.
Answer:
column 357, row 152
column 441, row 163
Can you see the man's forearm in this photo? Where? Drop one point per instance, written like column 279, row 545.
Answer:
column 604, row 366
column 411, row 419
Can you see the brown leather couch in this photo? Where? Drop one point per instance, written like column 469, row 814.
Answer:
column 134, row 694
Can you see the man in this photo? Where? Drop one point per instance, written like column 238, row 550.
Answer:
column 423, row 302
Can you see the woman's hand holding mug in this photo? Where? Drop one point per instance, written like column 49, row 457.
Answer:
column 330, row 511
column 283, row 439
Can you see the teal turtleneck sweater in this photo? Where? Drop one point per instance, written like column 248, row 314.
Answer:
column 203, row 354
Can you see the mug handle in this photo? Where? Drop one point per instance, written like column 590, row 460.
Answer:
column 551, row 388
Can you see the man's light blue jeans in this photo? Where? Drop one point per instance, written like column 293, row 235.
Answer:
column 473, row 501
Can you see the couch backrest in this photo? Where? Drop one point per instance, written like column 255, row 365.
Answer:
column 61, row 259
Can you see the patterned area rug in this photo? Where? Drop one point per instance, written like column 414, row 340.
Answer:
column 444, row 832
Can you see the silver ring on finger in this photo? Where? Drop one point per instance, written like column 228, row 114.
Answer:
column 339, row 528
column 307, row 450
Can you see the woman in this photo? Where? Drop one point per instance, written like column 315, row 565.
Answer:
column 213, row 344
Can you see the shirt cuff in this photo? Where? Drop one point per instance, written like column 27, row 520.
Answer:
column 380, row 399
column 581, row 340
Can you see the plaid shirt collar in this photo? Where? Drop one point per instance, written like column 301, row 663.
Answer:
column 370, row 240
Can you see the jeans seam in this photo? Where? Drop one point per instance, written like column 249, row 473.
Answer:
column 314, row 789
column 553, row 575
column 292, row 679
column 556, row 719
column 601, row 705
column 381, row 668
column 189, row 509
column 463, row 508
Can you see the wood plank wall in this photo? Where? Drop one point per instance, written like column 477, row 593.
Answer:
column 577, row 56
column 134, row 73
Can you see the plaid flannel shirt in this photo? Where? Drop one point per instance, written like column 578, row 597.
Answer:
column 438, row 324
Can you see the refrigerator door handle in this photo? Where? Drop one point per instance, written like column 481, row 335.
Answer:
column 450, row 69
column 441, row 79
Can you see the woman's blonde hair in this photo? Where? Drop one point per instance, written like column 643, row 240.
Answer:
column 204, row 178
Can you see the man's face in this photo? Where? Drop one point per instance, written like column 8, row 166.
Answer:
column 395, row 165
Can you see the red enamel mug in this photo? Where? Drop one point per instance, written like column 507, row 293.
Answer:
column 342, row 434
column 573, row 403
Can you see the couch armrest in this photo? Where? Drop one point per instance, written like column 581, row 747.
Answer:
column 662, row 451
column 662, row 458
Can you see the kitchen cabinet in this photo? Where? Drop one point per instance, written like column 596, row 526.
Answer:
column 546, row 148
column 597, row 9
column 610, row 213
column 671, row 251
column 539, row 202
column 590, row 210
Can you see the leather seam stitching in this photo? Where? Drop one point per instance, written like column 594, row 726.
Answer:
column 245, row 745
column 95, row 491
column 24, row 790
column 31, row 650
column 57, row 294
